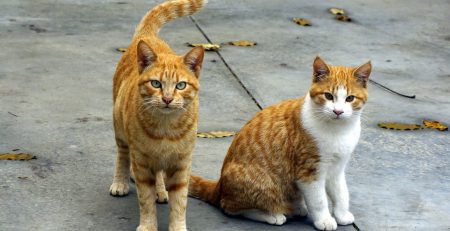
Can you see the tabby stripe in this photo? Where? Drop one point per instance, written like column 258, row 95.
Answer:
column 176, row 187
column 193, row 86
column 171, row 138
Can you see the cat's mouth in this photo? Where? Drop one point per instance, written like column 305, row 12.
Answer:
column 167, row 109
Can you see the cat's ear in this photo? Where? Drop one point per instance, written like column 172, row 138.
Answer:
column 320, row 70
column 362, row 73
column 194, row 59
column 145, row 56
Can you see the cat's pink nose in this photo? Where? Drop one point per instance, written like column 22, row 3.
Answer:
column 338, row 112
column 167, row 100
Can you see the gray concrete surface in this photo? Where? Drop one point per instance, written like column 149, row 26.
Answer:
column 56, row 63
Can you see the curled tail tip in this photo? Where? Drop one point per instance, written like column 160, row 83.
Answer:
column 168, row 11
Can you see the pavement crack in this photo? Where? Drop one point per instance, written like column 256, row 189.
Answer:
column 356, row 227
column 226, row 64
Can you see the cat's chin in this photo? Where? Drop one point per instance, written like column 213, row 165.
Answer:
column 340, row 119
column 169, row 110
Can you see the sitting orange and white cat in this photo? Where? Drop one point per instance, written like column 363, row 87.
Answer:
column 295, row 152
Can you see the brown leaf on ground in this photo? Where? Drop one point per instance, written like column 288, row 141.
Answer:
column 302, row 21
column 215, row 134
column 337, row 11
column 242, row 43
column 206, row 46
column 16, row 156
column 400, row 126
column 121, row 49
column 435, row 125
column 343, row 18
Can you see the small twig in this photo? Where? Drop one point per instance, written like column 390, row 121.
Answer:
column 392, row 91
column 356, row 227
column 13, row 114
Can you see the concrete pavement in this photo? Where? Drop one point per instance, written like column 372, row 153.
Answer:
column 56, row 64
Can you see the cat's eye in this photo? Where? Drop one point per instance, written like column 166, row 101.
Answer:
column 350, row 98
column 155, row 83
column 329, row 96
column 181, row 85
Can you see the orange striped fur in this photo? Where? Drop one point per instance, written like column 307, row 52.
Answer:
column 262, row 163
column 156, row 101
column 273, row 151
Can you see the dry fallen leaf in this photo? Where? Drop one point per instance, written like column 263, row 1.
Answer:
column 121, row 49
column 343, row 18
column 302, row 21
column 337, row 11
column 206, row 46
column 242, row 43
column 435, row 125
column 16, row 156
column 215, row 134
column 400, row 126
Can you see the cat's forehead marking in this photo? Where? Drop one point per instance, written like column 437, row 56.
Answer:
column 340, row 75
column 341, row 92
column 169, row 76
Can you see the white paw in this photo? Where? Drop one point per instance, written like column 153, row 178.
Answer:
column 327, row 223
column 276, row 219
column 178, row 229
column 344, row 218
column 146, row 228
column 119, row 189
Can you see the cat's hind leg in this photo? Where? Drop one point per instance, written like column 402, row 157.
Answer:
column 120, row 185
column 161, row 193
column 258, row 215
column 249, row 192
column 300, row 207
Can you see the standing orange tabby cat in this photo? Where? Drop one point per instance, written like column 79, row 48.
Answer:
column 295, row 152
column 155, row 117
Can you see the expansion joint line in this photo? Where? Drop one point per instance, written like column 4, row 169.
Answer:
column 226, row 64
column 356, row 227
column 250, row 94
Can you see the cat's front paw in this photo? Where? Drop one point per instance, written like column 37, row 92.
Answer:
column 344, row 218
column 162, row 197
column 177, row 226
column 327, row 223
column 178, row 229
column 119, row 189
column 146, row 228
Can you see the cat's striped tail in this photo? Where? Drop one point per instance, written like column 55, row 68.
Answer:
column 165, row 12
column 205, row 190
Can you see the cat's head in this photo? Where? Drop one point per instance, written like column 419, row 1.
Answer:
column 338, row 92
column 168, row 83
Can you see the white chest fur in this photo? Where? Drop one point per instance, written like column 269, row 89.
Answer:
column 336, row 139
